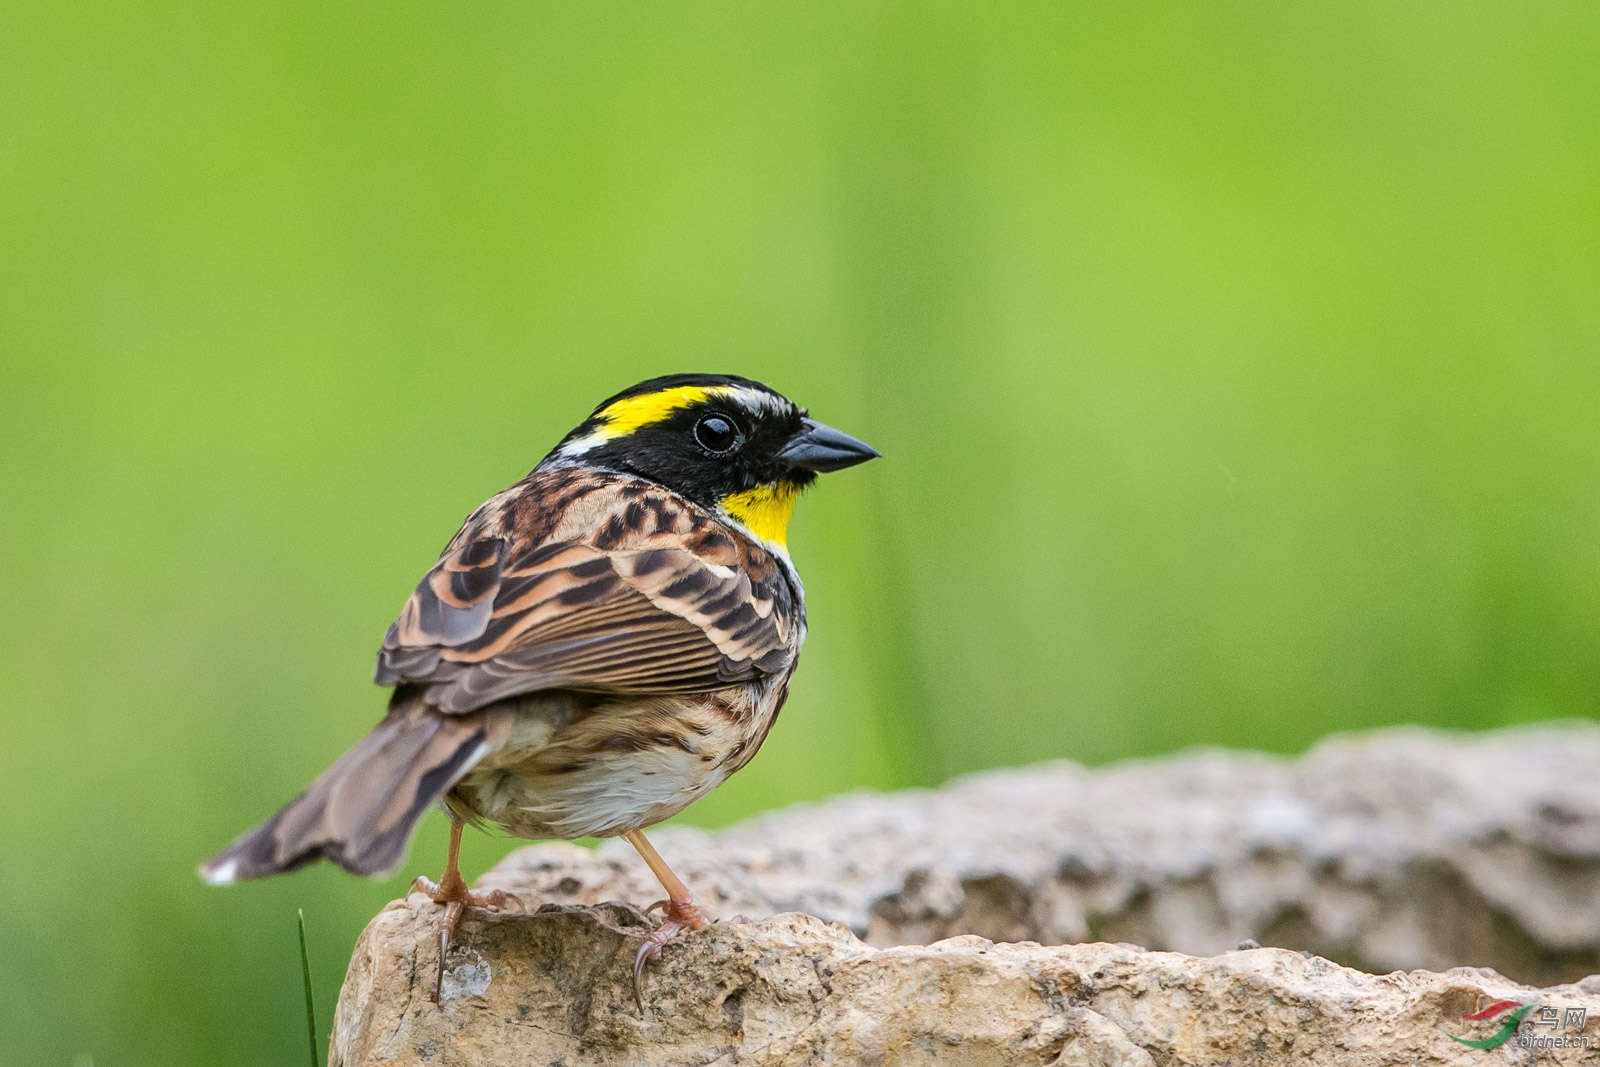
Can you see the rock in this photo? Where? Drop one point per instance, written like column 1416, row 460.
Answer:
column 1396, row 849
column 554, row 988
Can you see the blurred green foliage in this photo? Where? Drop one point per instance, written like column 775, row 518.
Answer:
column 1236, row 366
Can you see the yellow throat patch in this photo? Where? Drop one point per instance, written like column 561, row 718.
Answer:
column 765, row 510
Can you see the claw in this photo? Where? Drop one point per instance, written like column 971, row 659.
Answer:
column 681, row 916
column 495, row 898
column 447, row 933
column 650, row 950
column 451, row 891
column 455, row 904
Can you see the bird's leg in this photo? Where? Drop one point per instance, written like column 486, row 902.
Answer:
column 451, row 891
column 681, row 911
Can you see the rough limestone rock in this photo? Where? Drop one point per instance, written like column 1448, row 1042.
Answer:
column 1397, row 849
column 554, row 988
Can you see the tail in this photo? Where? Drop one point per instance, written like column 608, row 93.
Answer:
column 363, row 810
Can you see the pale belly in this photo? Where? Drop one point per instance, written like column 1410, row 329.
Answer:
column 584, row 767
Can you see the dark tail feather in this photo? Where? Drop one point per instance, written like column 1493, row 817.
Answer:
column 361, row 813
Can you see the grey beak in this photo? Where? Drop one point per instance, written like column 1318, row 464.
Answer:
column 822, row 448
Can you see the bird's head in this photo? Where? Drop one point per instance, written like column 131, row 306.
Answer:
column 724, row 442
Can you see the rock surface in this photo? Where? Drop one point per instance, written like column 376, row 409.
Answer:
column 1396, row 849
column 554, row 988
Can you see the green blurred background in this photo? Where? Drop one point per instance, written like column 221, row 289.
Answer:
column 1236, row 367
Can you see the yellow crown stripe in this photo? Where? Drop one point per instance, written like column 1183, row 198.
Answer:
column 634, row 412
column 765, row 511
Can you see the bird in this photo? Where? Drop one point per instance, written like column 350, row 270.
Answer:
column 600, row 645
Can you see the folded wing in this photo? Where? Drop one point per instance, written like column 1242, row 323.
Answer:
column 670, row 603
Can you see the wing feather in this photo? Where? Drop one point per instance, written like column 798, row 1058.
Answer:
column 684, row 606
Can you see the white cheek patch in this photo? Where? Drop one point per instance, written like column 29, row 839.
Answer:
column 582, row 444
column 757, row 401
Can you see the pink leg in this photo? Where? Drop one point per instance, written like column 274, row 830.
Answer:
column 451, row 891
column 682, row 913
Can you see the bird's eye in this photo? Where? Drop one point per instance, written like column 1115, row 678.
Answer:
column 716, row 433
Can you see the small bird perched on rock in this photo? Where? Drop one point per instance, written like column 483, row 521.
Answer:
column 599, row 646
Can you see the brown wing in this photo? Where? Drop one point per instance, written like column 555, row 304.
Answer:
column 624, row 588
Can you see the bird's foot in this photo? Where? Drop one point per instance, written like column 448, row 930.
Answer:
column 454, row 895
column 734, row 920
column 447, row 894
column 681, row 915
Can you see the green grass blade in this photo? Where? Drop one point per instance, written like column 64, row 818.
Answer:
column 305, row 975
